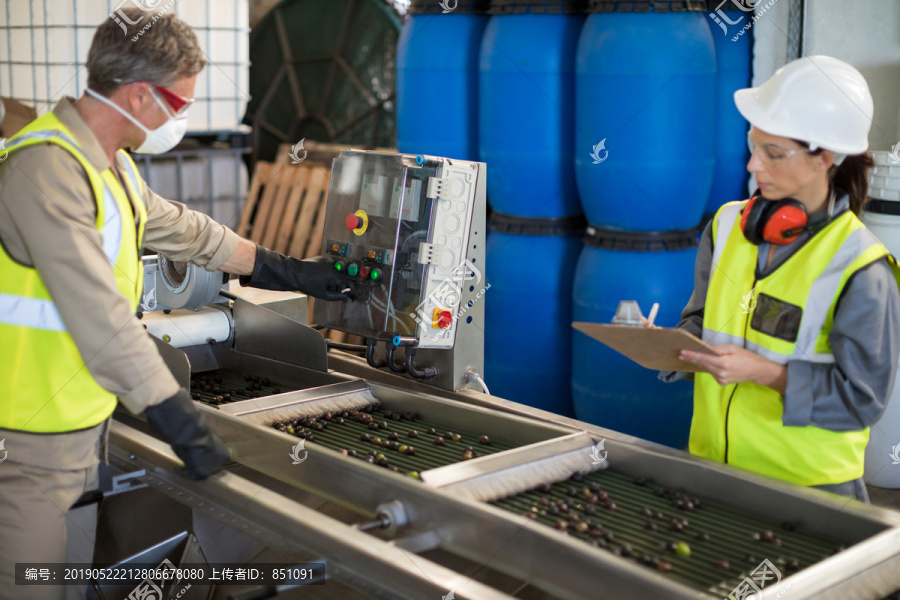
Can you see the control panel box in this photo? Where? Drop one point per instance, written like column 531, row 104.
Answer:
column 399, row 226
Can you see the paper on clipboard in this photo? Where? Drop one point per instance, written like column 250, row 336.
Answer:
column 651, row 348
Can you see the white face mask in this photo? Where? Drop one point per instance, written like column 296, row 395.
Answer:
column 159, row 140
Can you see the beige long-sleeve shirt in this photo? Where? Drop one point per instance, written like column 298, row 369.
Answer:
column 47, row 220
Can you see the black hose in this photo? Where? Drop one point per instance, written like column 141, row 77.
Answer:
column 396, row 368
column 347, row 347
column 426, row 373
column 370, row 355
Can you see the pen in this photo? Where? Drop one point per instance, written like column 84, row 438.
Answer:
column 653, row 310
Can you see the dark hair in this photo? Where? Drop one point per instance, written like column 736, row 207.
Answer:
column 852, row 176
column 142, row 45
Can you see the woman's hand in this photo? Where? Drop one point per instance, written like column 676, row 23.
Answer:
column 735, row 365
column 646, row 323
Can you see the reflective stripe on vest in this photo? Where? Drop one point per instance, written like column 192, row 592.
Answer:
column 48, row 388
column 742, row 424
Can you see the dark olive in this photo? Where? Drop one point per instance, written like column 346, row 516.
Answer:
column 410, row 451
column 393, row 436
column 351, row 453
column 723, row 564
column 413, row 434
column 544, row 488
column 339, row 420
column 410, row 415
column 373, row 426
column 396, row 417
column 664, row 566
column 793, row 564
column 432, row 431
column 651, row 526
column 767, row 536
column 611, row 506
column 439, row 442
column 383, row 425
column 576, row 477
column 562, row 525
column 468, row 456
column 457, row 437
column 484, row 440
column 448, row 435
column 703, row 536
column 388, row 414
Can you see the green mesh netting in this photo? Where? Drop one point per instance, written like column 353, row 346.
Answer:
column 323, row 70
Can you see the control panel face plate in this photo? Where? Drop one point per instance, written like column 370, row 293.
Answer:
column 399, row 228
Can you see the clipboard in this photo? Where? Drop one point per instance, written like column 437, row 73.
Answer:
column 655, row 349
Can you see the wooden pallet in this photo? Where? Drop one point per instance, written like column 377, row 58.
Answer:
column 285, row 208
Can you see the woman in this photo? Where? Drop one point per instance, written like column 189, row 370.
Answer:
column 800, row 301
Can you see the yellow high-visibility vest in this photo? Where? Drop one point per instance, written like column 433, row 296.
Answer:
column 44, row 383
column 787, row 315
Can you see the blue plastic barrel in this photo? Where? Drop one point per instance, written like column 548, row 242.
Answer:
column 526, row 105
column 528, row 314
column 437, row 79
column 733, row 60
column 609, row 389
column 645, row 119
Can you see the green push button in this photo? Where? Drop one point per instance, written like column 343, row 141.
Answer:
column 339, row 266
column 353, row 270
column 376, row 274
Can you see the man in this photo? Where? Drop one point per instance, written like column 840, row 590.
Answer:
column 74, row 217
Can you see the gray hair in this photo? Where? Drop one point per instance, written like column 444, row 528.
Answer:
column 131, row 46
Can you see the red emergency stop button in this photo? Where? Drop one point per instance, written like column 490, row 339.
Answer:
column 353, row 222
column 364, row 272
column 441, row 319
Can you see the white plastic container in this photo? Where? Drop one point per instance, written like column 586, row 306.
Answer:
column 44, row 46
column 883, row 451
column 212, row 182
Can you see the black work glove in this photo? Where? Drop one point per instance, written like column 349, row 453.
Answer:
column 315, row 277
column 178, row 422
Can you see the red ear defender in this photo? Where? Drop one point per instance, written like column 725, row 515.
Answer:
column 774, row 221
column 785, row 222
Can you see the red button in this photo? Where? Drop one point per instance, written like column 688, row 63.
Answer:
column 444, row 319
column 353, row 222
column 364, row 272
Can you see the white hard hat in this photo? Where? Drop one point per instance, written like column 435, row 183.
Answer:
column 816, row 99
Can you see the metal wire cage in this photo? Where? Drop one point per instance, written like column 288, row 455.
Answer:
column 44, row 46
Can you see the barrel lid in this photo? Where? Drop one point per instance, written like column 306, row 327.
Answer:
column 885, row 207
column 547, row 7
column 641, row 241
column 502, row 223
column 456, row 7
column 605, row 6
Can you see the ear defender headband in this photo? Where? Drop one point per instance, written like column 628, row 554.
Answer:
column 774, row 221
